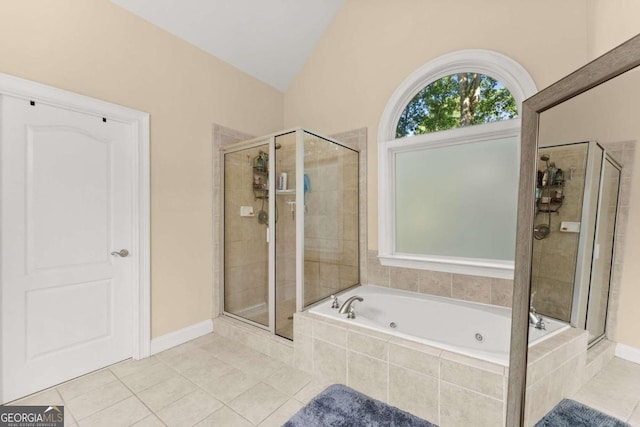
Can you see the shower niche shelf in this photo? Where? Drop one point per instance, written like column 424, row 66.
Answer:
column 285, row 192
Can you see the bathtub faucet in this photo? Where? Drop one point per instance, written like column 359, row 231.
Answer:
column 348, row 308
column 535, row 319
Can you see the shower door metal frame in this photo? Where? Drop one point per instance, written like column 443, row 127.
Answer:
column 606, row 157
column 299, row 179
column 587, row 241
column 270, row 140
column 588, row 221
column 241, row 146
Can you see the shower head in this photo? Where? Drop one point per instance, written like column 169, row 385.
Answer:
column 545, row 157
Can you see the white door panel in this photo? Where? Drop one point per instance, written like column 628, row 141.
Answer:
column 67, row 200
column 68, row 214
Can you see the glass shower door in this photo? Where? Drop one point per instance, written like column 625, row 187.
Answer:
column 331, row 226
column 285, row 226
column 246, row 214
column 603, row 251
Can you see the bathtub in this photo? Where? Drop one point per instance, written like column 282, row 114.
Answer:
column 477, row 330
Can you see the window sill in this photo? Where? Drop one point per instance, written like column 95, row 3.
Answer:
column 470, row 266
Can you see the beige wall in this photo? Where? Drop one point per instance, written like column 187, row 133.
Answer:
column 610, row 23
column 97, row 49
column 373, row 45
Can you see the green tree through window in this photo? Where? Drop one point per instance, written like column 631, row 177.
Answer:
column 458, row 100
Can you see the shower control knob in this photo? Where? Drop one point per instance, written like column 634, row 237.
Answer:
column 335, row 303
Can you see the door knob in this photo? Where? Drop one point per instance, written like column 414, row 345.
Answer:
column 122, row 253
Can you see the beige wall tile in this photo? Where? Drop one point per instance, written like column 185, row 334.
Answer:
column 475, row 363
column 303, row 352
column 461, row 407
column 573, row 373
column 368, row 375
column 334, row 334
column 414, row 393
column 502, row 292
column 435, row 283
column 413, row 359
column 369, row 345
column 535, row 402
column 406, row 279
column 475, row 379
column 329, row 361
column 471, row 288
column 377, row 274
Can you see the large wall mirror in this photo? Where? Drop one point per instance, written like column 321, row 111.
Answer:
column 579, row 140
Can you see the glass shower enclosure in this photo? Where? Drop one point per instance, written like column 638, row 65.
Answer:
column 573, row 250
column 291, row 226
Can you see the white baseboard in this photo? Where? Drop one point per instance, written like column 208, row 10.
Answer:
column 626, row 352
column 181, row 336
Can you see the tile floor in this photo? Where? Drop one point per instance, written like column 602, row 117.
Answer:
column 214, row 381
column 615, row 390
column 211, row 381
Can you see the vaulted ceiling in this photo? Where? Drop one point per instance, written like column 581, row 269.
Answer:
column 268, row 39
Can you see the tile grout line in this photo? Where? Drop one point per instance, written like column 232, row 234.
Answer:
column 140, row 400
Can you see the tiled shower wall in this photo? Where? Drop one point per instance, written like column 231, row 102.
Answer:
column 331, row 219
column 554, row 257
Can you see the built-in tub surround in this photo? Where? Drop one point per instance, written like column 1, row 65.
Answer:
column 428, row 380
column 464, row 287
column 472, row 329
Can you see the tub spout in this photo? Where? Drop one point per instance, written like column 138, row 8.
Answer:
column 536, row 320
column 348, row 309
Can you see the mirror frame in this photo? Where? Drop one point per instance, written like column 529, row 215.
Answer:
column 606, row 67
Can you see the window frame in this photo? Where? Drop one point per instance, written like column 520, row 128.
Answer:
column 500, row 67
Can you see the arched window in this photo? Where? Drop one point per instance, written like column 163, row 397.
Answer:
column 456, row 100
column 448, row 165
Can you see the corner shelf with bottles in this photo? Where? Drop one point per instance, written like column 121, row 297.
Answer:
column 550, row 190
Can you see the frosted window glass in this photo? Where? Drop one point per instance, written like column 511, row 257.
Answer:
column 458, row 200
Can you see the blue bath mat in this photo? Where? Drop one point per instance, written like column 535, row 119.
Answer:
column 341, row 406
column 569, row 413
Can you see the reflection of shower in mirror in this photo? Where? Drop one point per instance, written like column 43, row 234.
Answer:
column 549, row 196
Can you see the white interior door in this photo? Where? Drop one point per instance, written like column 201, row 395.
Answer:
column 67, row 197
